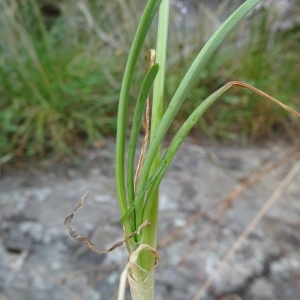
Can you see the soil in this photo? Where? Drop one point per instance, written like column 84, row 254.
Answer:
column 198, row 224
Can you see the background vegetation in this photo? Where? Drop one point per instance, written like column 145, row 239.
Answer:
column 61, row 66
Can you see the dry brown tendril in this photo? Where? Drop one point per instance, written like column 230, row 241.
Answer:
column 83, row 238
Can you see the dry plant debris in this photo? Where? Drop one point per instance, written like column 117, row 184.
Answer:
column 83, row 238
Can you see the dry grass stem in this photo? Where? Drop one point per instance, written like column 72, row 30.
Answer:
column 263, row 94
column 146, row 122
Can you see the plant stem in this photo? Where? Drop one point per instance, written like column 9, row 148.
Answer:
column 146, row 259
column 149, row 236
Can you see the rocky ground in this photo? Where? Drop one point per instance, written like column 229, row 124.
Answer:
column 198, row 224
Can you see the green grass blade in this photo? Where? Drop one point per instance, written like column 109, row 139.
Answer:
column 187, row 126
column 143, row 28
column 158, row 175
column 156, row 178
column 161, row 53
column 188, row 81
column 177, row 141
column 136, row 124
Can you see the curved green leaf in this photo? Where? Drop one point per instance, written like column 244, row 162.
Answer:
column 156, row 178
column 188, row 81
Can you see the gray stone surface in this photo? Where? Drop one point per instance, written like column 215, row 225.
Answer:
column 39, row 260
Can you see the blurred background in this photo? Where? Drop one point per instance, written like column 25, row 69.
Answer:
column 61, row 66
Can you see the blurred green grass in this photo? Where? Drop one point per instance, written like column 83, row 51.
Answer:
column 60, row 74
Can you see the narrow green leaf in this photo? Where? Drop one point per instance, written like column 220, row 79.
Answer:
column 188, row 81
column 143, row 28
column 157, row 176
column 177, row 141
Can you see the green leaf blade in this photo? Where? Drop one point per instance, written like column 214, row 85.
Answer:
column 145, row 23
column 190, row 78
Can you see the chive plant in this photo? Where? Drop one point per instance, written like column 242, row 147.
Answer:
column 138, row 186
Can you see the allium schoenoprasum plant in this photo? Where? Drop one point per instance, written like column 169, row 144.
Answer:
column 138, row 184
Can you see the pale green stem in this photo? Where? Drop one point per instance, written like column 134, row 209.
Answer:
column 149, row 235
